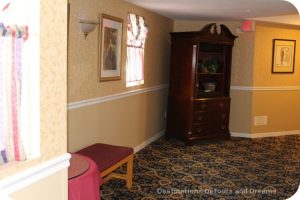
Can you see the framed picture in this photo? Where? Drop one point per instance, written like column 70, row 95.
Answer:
column 283, row 56
column 110, row 48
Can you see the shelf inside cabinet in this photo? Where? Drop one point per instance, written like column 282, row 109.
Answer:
column 210, row 54
column 210, row 74
column 203, row 94
column 211, row 64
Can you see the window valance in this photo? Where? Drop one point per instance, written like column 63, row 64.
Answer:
column 136, row 31
column 14, row 31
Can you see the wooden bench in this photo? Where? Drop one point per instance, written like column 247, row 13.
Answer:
column 110, row 157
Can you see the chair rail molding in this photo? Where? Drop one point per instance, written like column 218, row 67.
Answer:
column 88, row 102
column 265, row 88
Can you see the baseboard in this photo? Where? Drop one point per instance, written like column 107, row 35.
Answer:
column 29, row 176
column 148, row 141
column 267, row 134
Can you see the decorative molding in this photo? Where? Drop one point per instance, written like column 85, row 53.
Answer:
column 88, row 102
column 270, row 88
column 148, row 141
column 245, row 88
column 267, row 134
column 29, row 176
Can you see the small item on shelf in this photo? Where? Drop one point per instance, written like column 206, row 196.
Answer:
column 209, row 86
column 210, row 66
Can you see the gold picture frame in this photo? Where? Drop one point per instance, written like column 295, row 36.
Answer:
column 283, row 56
column 110, row 48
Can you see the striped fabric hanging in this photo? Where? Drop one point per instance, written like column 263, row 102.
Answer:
column 11, row 42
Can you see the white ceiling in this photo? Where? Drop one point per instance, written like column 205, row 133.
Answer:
column 217, row 9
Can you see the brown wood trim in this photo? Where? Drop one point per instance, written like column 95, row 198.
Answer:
column 107, row 174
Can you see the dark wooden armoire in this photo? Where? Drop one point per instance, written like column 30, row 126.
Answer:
column 199, row 100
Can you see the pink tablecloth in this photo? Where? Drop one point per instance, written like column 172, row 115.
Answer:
column 86, row 186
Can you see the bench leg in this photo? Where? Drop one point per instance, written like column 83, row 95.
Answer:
column 108, row 173
column 129, row 172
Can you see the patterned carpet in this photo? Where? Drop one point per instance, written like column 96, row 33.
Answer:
column 240, row 168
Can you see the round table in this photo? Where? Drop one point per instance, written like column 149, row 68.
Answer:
column 78, row 165
column 84, row 180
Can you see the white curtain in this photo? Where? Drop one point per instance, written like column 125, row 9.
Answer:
column 11, row 43
column 136, row 39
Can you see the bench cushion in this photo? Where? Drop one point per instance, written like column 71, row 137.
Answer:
column 106, row 155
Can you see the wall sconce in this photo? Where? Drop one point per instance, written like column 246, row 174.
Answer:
column 87, row 26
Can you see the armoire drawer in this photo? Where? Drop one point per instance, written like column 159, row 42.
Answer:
column 209, row 117
column 215, row 105
column 209, row 129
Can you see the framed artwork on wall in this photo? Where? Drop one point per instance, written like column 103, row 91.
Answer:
column 283, row 56
column 110, row 48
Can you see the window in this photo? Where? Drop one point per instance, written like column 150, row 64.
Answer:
column 136, row 38
column 19, row 80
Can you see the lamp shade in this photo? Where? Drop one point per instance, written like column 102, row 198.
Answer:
column 87, row 26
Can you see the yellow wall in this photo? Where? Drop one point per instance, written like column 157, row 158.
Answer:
column 281, row 106
column 129, row 121
column 240, row 120
column 53, row 98
column 264, row 35
column 49, row 188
